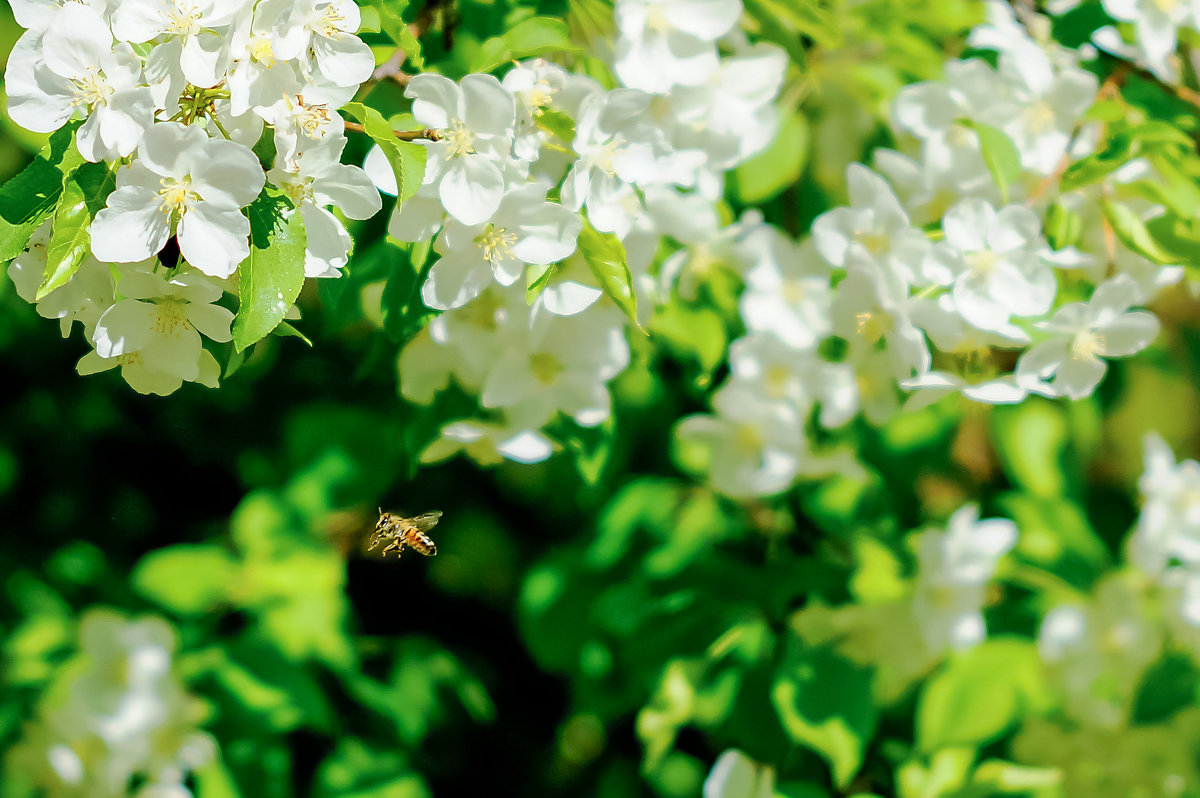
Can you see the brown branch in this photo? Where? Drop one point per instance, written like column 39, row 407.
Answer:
column 428, row 134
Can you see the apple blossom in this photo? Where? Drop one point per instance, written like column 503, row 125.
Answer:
column 181, row 182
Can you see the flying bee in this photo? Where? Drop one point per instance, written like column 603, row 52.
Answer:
column 399, row 532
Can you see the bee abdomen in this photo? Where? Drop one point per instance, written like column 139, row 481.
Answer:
column 421, row 542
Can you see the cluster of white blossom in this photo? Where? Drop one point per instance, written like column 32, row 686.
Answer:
column 1155, row 27
column 116, row 718
column 982, row 306
column 173, row 94
column 1101, row 645
column 641, row 162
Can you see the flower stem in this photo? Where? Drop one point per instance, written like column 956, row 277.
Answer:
column 428, row 134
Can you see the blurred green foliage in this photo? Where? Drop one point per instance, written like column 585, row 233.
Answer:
column 596, row 625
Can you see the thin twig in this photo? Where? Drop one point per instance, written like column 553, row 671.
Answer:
column 428, row 134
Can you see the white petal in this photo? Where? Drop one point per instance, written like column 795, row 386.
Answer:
column 346, row 61
column 203, row 59
column 436, row 99
column 125, row 327
column 214, row 239
column 169, row 148
column 547, row 234
column 454, row 281
column 348, row 188
column 471, row 189
column 76, row 41
column 489, row 108
column 1129, row 333
column 328, row 243
column 131, row 228
column 228, row 174
column 138, row 20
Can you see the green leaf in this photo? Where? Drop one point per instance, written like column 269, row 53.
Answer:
column 536, row 282
column 777, row 167
column 981, row 694
column 697, row 333
column 188, row 580
column 605, row 255
column 28, row 199
column 1000, row 154
column 824, row 702
column 1132, row 232
column 271, row 277
column 1063, row 227
column 285, row 330
column 407, row 159
column 398, row 31
column 1181, row 237
column 532, row 37
column 557, row 124
column 1032, row 440
column 1117, row 151
column 83, row 197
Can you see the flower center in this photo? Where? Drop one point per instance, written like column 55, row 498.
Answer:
column 545, row 367
column 183, row 20
column 982, row 262
column 91, row 90
column 777, row 379
column 656, row 19
column 747, row 437
column 876, row 243
column 311, row 119
column 602, row 157
column 484, row 313
column 172, row 314
column 1040, row 117
column 460, row 140
column 495, row 243
column 331, row 25
column 261, row 50
column 298, row 188
column 872, row 325
column 793, row 291
column 1166, row 6
column 176, row 196
column 1087, row 345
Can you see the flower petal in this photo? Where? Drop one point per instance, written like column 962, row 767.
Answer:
column 131, row 227
column 471, row 189
column 214, row 239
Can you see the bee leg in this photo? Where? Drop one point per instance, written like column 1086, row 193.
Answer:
column 395, row 544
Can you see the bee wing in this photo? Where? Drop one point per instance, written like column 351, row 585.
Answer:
column 426, row 522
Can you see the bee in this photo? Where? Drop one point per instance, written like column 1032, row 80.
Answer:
column 399, row 532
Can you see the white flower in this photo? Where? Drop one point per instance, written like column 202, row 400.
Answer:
column 1046, row 106
column 86, row 295
column 929, row 388
column 476, row 118
column 735, row 775
column 1099, row 651
column 154, row 333
column 1083, row 334
column 534, row 84
column 562, row 364
column 864, row 383
column 993, row 261
column 1157, row 24
column 1168, row 528
column 317, row 179
column 774, row 370
column 874, row 226
column 954, row 567
column 184, row 30
column 79, row 68
column 731, row 116
column 116, row 715
column 304, row 120
column 181, row 180
column 788, row 291
column 617, row 148
column 321, row 34
column 36, row 15
column 257, row 75
column 488, row 444
column 873, row 307
column 751, row 446
column 524, row 229
column 664, row 43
